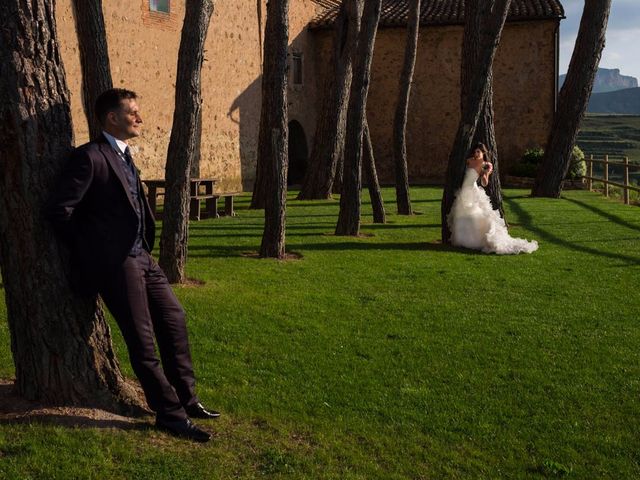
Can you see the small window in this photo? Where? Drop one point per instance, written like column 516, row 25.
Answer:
column 297, row 76
column 161, row 6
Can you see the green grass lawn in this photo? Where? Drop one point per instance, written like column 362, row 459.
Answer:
column 391, row 356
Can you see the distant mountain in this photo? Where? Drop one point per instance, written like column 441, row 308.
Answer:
column 608, row 80
column 621, row 101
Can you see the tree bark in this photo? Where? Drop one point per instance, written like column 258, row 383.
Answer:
column 184, row 142
column 336, row 188
column 274, row 130
column 259, row 194
column 403, row 199
column 373, row 185
column 60, row 341
column 485, row 131
column 573, row 98
column 484, row 22
column 349, row 216
column 328, row 145
column 94, row 58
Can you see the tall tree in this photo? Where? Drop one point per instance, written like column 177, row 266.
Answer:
column 485, row 131
column 573, row 98
column 94, row 58
column 185, row 140
column 349, row 216
column 60, row 341
column 403, row 199
column 369, row 164
column 329, row 140
column 274, row 131
column 487, row 17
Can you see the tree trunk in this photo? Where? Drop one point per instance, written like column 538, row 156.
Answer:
column 274, row 131
column 94, row 58
column 573, row 98
column 373, row 185
column 184, row 142
column 328, row 145
column 336, row 188
column 403, row 200
column 60, row 341
column 483, row 27
column 485, row 131
column 349, row 216
column 260, row 187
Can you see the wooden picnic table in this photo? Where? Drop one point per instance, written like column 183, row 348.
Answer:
column 199, row 189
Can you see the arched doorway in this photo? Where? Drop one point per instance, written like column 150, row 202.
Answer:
column 298, row 153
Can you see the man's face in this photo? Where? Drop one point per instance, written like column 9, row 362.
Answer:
column 125, row 122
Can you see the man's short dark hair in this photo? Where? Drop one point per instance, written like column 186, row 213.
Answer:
column 109, row 101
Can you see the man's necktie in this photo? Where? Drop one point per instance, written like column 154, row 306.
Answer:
column 129, row 159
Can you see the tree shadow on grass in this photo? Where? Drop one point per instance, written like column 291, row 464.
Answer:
column 240, row 231
column 203, row 251
column 17, row 410
column 311, row 203
column 391, row 226
column 218, row 251
column 210, row 226
column 609, row 216
column 257, row 235
column 526, row 221
column 431, row 200
column 309, row 215
column 397, row 246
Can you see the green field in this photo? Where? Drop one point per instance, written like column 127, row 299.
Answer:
column 614, row 135
column 390, row 356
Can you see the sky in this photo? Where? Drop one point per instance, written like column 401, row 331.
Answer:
column 622, row 48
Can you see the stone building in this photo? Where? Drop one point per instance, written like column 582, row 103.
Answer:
column 144, row 35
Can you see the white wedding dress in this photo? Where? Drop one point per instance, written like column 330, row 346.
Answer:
column 474, row 224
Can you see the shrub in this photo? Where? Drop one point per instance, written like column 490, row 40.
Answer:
column 577, row 165
column 531, row 159
column 528, row 164
column 533, row 156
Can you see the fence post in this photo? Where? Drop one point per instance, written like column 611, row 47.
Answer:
column 590, row 173
column 606, row 175
column 626, row 180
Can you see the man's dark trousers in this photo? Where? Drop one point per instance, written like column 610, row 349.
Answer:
column 140, row 299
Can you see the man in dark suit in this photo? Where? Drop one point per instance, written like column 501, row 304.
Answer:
column 100, row 210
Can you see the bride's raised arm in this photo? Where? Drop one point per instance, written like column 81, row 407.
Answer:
column 487, row 169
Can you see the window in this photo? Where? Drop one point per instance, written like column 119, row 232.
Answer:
column 296, row 70
column 161, row 6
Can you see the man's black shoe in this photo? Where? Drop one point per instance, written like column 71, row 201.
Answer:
column 183, row 428
column 197, row 410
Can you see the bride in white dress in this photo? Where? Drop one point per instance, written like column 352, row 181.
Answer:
column 473, row 222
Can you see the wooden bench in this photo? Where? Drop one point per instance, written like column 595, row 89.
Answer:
column 199, row 189
column 212, row 204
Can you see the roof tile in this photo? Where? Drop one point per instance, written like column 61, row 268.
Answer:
column 440, row 12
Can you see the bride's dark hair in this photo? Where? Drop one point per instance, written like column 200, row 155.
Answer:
column 483, row 148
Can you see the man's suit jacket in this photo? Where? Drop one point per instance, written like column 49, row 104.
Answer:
column 92, row 209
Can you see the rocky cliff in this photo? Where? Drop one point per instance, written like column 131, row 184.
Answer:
column 609, row 80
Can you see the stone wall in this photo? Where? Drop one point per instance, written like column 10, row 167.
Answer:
column 143, row 48
column 524, row 94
